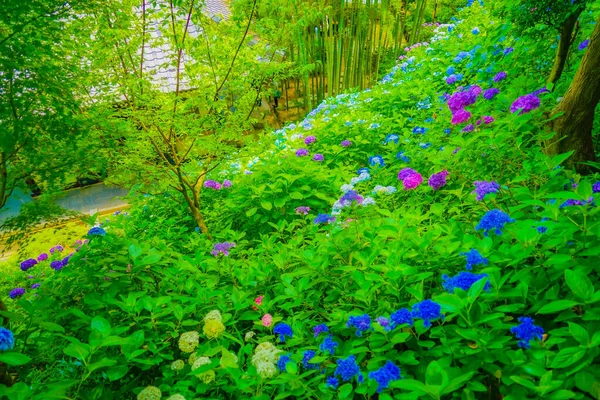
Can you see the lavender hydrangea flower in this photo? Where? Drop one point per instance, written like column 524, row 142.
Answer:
column 401, row 317
column 222, row 248
column 282, row 329
column 56, row 249
column 468, row 128
column 320, row 328
column 525, row 104
column 323, row 218
column 464, row 280
column 346, row 143
column 7, row 339
column 309, row 140
column 485, row 120
column 302, row 210
column 362, row 323
column 301, row 153
column 227, row 183
column 212, row 184
column 97, row 231
column 583, row 45
column 17, row 292
column 384, row 375
column 42, row 257
column 500, row 76
column 27, row 264
column 427, row 310
column 329, row 345
column 35, row 286
column 451, row 80
column 526, row 331
column 436, row 181
column 490, row 93
column 494, row 220
column 57, row 265
column 474, row 258
column 349, row 197
column 405, row 173
column 347, row 368
column 482, row 188
column 385, row 323
column 318, row 157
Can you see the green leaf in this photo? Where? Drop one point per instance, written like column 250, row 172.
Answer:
column 52, row 327
column 410, row 384
column 567, row 357
column 151, row 259
column 523, row 382
column 117, row 372
column 579, row 333
column 134, row 251
column 435, row 375
column 251, row 211
column 101, row 325
column 557, row 306
column 344, row 391
column 457, row 382
column 12, row 358
column 266, row 205
column 296, row 195
column 77, row 350
column 579, row 283
column 105, row 362
column 291, row 367
column 227, row 359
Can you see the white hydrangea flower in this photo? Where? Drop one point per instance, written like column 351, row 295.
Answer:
column 368, row 201
column 249, row 335
column 188, row 341
column 345, row 188
column 150, row 393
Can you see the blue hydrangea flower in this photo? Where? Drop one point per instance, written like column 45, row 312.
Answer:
column 332, row 382
column 323, row 218
column 464, row 280
column 419, row 130
column 402, row 316
column 320, row 328
column 7, row 340
column 447, row 131
column 362, row 171
column 474, row 258
column 427, row 310
column 376, row 160
column 329, row 345
column 384, row 375
column 361, row 323
column 96, row 231
column 403, row 157
column 283, row 360
column 308, row 355
column 282, row 329
column 392, row 137
column 347, row 368
column 494, row 220
column 542, row 229
column 526, row 331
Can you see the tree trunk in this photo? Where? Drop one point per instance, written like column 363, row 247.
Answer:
column 574, row 126
column 564, row 44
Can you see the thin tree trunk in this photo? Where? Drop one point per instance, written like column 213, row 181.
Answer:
column 564, row 44
column 577, row 107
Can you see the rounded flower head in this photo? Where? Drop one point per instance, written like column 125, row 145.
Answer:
column 474, row 258
column 494, row 220
column 376, row 161
column 392, row 137
column 302, row 210
column 227, row 183
column 405, row 173
column 451, row 79
column 306, row 357
column 17, row 292
column 468, row 128
column 57, row 249
column 266, row 370
column 214, row 315
column 259, row 300
column 282, row 329
column 384, row 323
column 150, row 393
column 283, row 360
column 427, row 310
column 212, row 184
column 482, row 188
column 309, row 140
column 525, row 104
column 42, row 257
column 346, row 143
column 27, row 264
column 490, row 93
column 188, row 341
column 323, row 218
column 464, row 280
column 401, row 317
column 192, row 358
column 57, row 265
column 583, row 45
column 329, row 345
column 176, row 397
column 436, row 181
column 347, row 368
column 526, row 331
column 500, row 76
column 362, row 323
column 7, row 340
column 177, row 365
column 412, row 181
column 318, row 157
column 320, row 328
column 332, row 382
column 97, row 231
column 301, row 153
column 384, row 375
column 213, row 329
column 460, row 116
column 267, row 320
column 249, row 335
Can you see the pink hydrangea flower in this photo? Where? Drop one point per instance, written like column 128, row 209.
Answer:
column 460, row 116
column 267, row 320
column 412, row 181
column 259, row 300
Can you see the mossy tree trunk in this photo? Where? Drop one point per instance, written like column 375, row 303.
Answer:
column 564, row 44
column 576, row 110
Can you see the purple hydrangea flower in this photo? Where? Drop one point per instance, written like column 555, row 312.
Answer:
column 474, row 258
column 346, row 143
column 460, row 116
column 347, row 368
column 301, row 153
column 227, row 183
column 302, row 210
column 427, row 310
column 57, row 248
column 482, row 188
column 596, row 187
column 309, row 140
column 525, row 104
column 212, row 184
column 320, row 328
column 282, row 329
column 35, row 286
column 318, row 157
column 526, row 331
column 490, row 93
column 329, row 345
column 27, row 264
column 323, row 218
column 436, row 181
column 351, row 196
column 384, row 375
column 42, row 257
column 451, row 79
column 500, row 76
column 57, row 265
column 583, row 45
column 17, row 292
column 485, row 120
column 468, row 128
column 405, row 173
column 362, row 323
column 494, row 220
column 464, row 280
column 460, row 100
column 222, row 248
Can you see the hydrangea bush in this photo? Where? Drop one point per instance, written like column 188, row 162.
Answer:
column 409, row 261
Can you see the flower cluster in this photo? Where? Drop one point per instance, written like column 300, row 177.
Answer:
column 482, row 188
column 410, row 178
column 474, row 258
column 222, row 248
column 438, row 180
column 384, row 375
column 266, row 355
column 464, row 280
column 494, row 220
column 526, row 331
column 302, row 210
column 283, row 330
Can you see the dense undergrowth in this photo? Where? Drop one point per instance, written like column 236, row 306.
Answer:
column 328, row 276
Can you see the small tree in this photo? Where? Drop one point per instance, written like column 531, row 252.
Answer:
column 176, row 131
column 574, row 115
